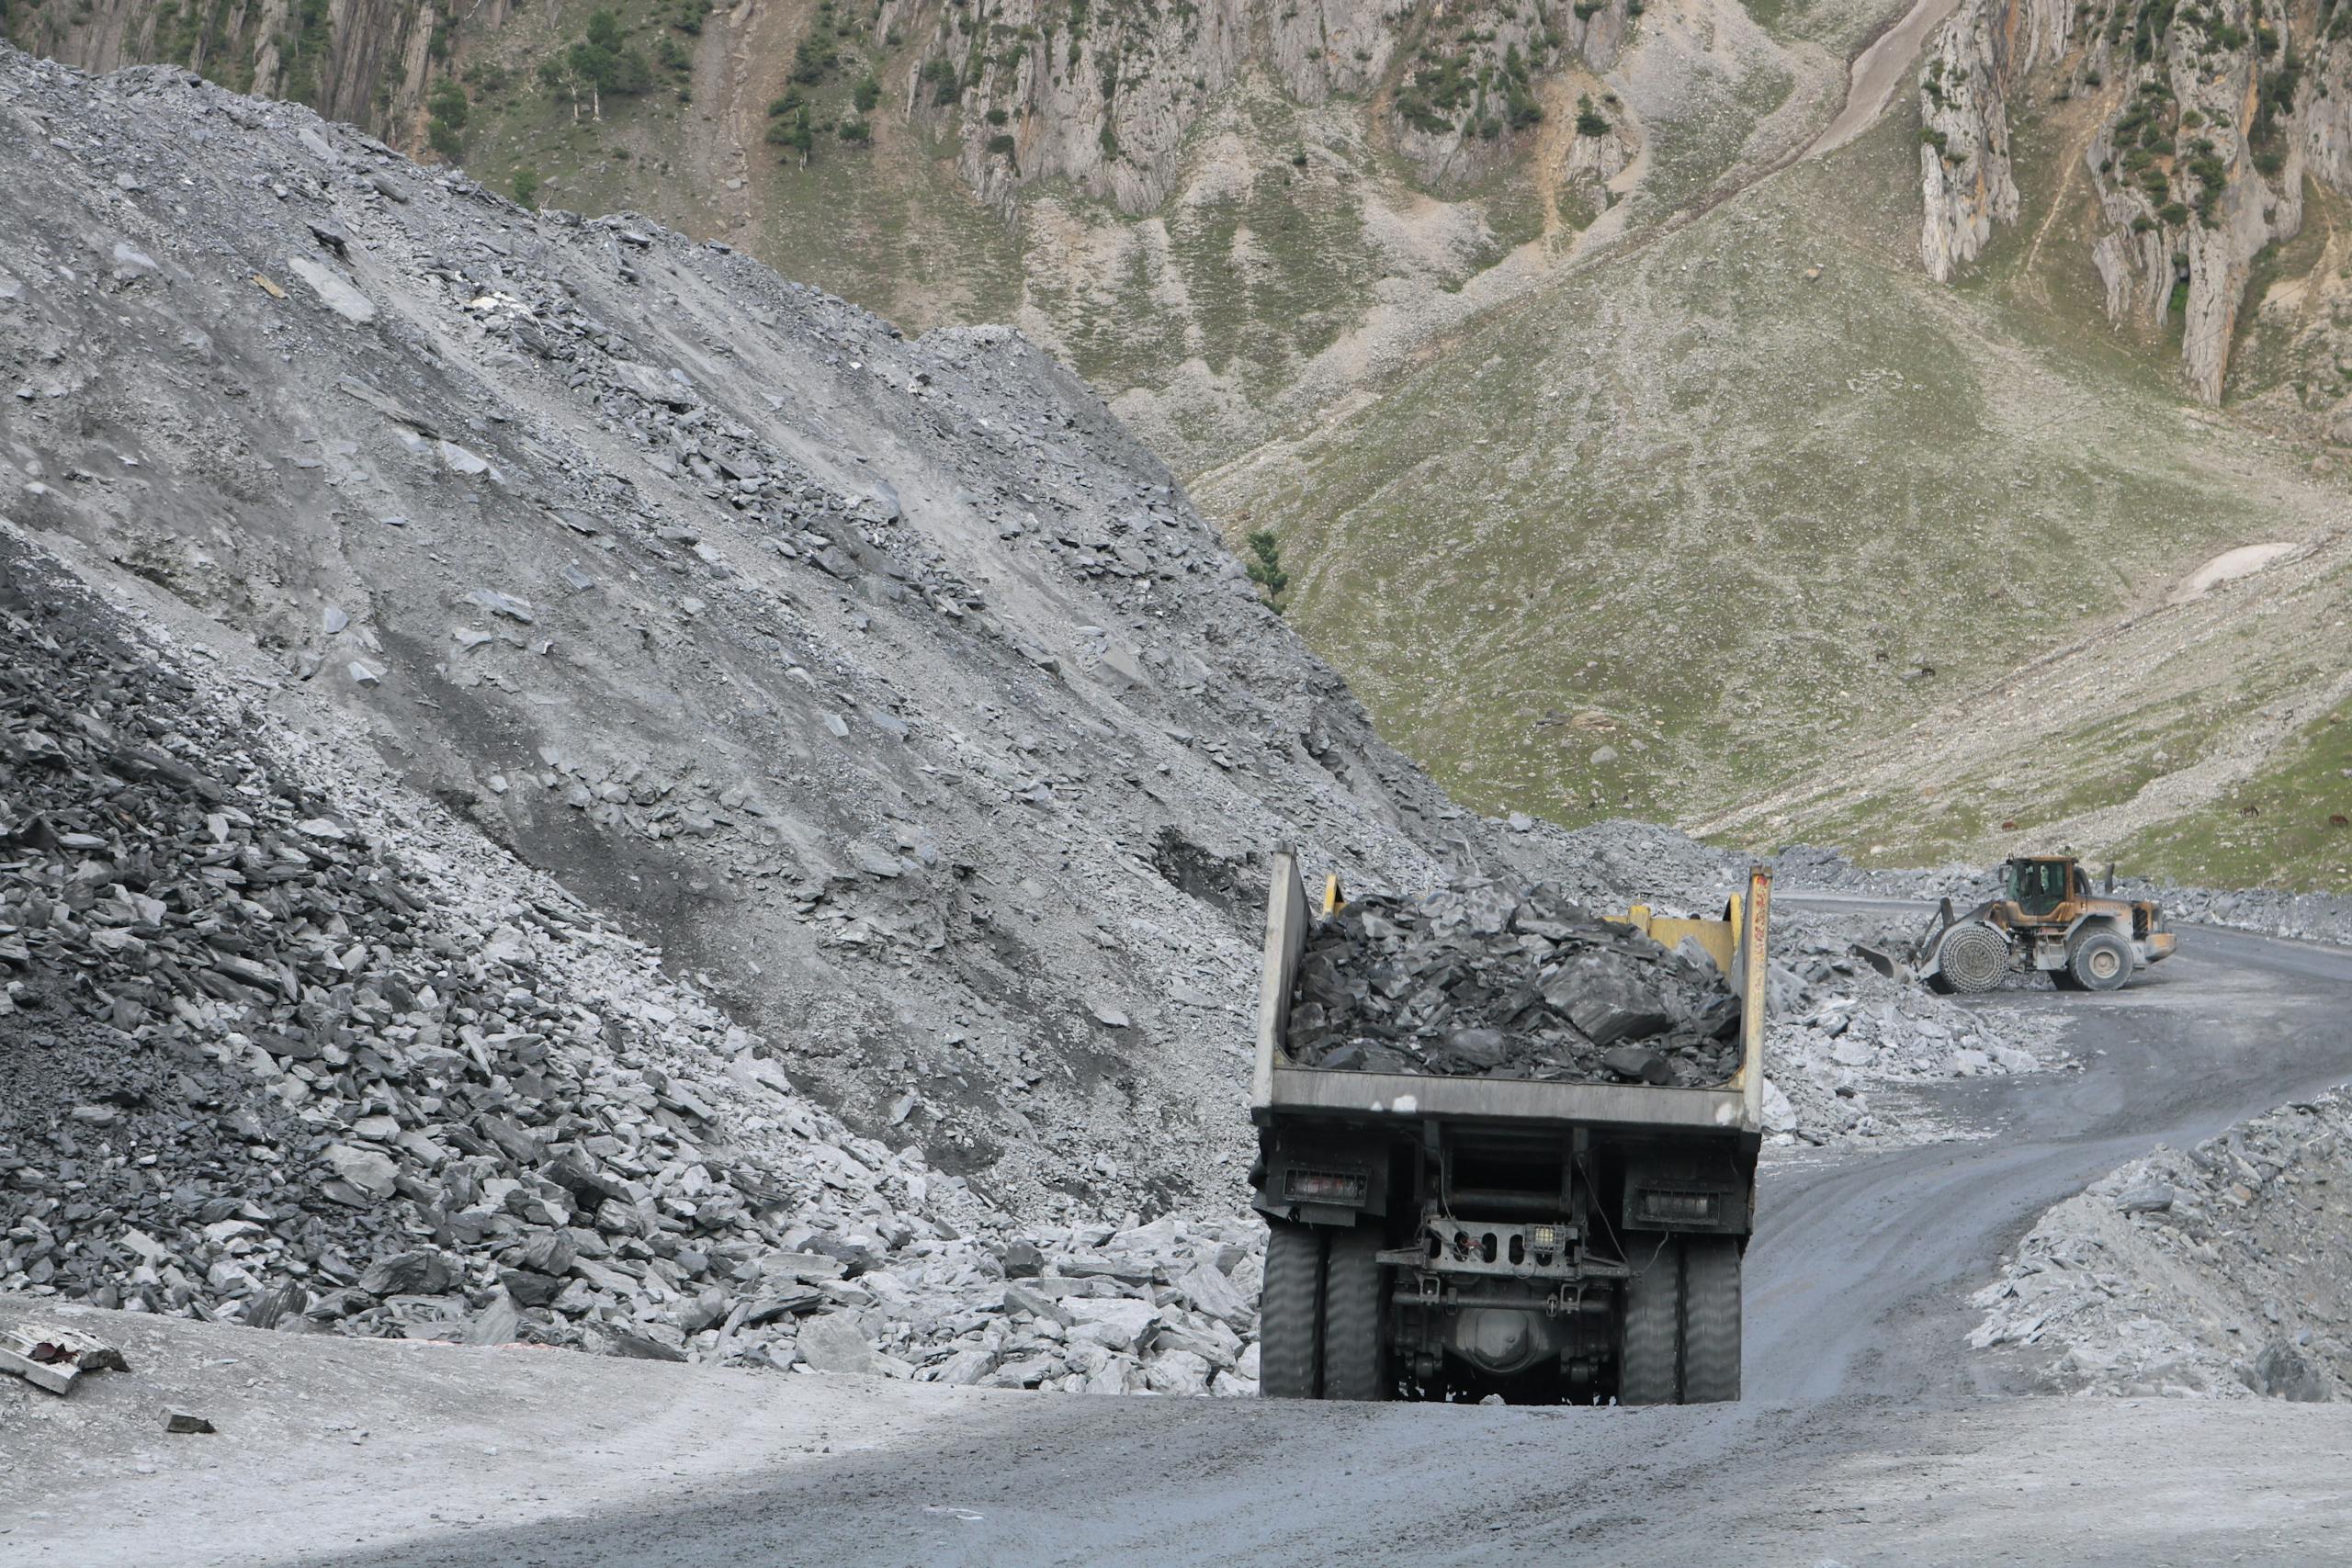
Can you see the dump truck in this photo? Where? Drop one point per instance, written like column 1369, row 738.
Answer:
column 1451, row 1238
column 2045, row 920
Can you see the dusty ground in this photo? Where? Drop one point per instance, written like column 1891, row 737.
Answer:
column 1871, row 1434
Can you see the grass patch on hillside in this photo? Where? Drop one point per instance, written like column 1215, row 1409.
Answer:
column 1720, row 507
column 2278, row 829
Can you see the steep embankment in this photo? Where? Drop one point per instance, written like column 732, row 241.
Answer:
column 1197, row 206
column 2212, row 1271
column 890, row 686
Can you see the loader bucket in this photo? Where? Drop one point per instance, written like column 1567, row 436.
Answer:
column 1885, row 963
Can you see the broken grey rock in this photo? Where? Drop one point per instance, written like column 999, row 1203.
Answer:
column 334, row 291
column 176, row 1421
column 834, row 1343
column 2283, row 1372
column 370, row 1170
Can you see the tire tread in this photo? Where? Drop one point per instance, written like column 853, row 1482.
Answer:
column 1710, row 1322
column 1648, row 1363
column 1290, row 1312
column 1355, row 1350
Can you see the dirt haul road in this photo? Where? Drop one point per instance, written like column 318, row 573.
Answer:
column 1871, row 1434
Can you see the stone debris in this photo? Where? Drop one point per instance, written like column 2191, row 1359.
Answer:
column 1482, row 981
column 2213, row 1271
column 50, row 1358
column 179, row 1422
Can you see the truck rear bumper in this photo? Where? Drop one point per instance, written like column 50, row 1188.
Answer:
column 1375, row 1097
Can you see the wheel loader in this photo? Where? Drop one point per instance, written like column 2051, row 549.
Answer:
column 2045, row 918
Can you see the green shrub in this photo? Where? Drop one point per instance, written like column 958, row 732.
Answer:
column 1264, row 566
column 526, row 187
column 1590, row 122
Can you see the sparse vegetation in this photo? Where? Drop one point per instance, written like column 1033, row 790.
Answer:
column 1265, row 568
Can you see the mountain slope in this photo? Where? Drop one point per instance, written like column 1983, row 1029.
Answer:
column 1721, row 522
column 890, row 686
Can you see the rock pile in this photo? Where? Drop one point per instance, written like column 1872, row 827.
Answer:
column 2214, row 1270
column 1842, row 1035
column 1168, row 1307
column 252, row 1068
column 870, row 673
column 1480, row 981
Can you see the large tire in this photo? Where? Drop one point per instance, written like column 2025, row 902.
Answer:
column 1290, row 1312
column 1648, row 1358
column 2100, row 961
column 1710, row 1319
column 1355, row 1317
column 1972, row 957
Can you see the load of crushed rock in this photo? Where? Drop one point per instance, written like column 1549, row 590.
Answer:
column 1476, row 980
column 2218, row 1271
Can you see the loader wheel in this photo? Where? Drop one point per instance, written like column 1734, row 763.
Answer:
column 1973, row 957
column 1355, row 1317
column 1710, row 1319
column 1290, row 1312
column 2101, row 962
column 1648, row 1359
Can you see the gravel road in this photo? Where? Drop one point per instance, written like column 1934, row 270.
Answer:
column 1870, row 1434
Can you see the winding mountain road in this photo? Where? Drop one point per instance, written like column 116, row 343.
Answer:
column 1871, row 1432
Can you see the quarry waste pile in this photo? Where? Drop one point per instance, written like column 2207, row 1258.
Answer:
column 2217, row 1270
column 555, row 786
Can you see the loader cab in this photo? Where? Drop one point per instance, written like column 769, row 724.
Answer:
column 2040, row 885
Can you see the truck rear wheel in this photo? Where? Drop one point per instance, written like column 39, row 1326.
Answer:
column 1649, row 1355
column 1710, row 1319
column 1290, row 1312
column 1355, row 1319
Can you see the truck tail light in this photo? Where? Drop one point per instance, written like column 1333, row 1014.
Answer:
column 1682, row 1208
column 1326, row 1186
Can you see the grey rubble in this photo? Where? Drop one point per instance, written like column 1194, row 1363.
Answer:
column 259, row 1067
column 1491, row 982
column 2202, row 1271
column 888, row 684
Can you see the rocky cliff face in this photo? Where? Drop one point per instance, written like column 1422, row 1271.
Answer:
column 368, row 61
column 2208, row 121
column 1106, row 98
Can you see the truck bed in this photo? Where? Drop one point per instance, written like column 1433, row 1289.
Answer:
column 1282, row 1086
